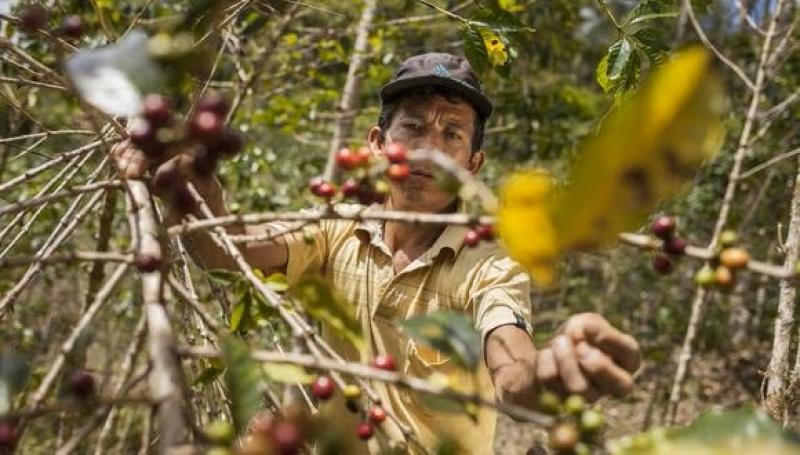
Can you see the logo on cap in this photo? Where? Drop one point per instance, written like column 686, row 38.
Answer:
column 440, row 70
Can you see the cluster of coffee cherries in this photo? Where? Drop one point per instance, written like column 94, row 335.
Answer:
column 203, row 136
column 474, row 236
column 361, row 184
column 324, row 387
column 81, row 385
column 37, row 17
column 722, row 268
column 672, row 246
column 577, row 426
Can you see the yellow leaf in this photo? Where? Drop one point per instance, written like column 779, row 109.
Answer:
column 646, row 151
column 495, row 48
column 510, row 5
column 525, row 224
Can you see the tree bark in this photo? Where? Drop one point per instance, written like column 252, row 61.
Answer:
column 344, row 123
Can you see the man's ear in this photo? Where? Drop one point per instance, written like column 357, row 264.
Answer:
column 476, row 161
column 375, row 139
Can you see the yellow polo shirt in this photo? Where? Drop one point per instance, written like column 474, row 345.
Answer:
column 481, row 281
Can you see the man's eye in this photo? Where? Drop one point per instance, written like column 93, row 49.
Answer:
column 453, row 135
column 411, row 126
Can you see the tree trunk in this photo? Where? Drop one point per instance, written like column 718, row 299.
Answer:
column 344, row 123
column 778, row 370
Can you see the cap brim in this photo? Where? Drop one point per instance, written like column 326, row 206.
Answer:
column 482, row 104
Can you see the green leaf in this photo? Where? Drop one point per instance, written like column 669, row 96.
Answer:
column 243, row 379
column 223, row 277
column 287, row 374
column 651, row 16
column 211, row 372
column 744, row 430
column 475, row 50
column 241, row 319
column 449, row 332
column 618, row 56
column 601, row 74
column 652, row 44
column 320, row 301
column 278, row 282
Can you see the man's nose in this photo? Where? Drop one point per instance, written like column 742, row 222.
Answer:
column 430, row 140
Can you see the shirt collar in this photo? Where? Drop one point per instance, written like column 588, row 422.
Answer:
column 451, row 239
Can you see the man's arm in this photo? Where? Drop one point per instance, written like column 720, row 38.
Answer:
column 588, row 357
column 269, row 256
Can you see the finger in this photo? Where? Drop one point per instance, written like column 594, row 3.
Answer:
column 136, row 165
column 547, row 371
column 603, row 372
column 568, row 369
column 594, row 329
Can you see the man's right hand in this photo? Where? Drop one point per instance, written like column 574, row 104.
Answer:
column 169, row 172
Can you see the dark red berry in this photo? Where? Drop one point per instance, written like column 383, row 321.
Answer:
column 141, row 132
column 34, row 17
column 396, row 153
column 204, row 162
column 471, row 238
column 207, row 126
column 81, row 384
column 398, row 171
column 350, row 188
column 347, row 159
column 323, row 387
column 287, row 438
column 485, row 231
column 663, row 227
column 326, row 190
column 314, row 185
column 228, row 144
column 147, row 263
column 72, row 26
column 364, row 155
column 157, row 110
column 384, row 362
column 8, row 436
column 212, row 101
column 662, row 264
column 675, row 246
column 364, row 430
column 377, row 415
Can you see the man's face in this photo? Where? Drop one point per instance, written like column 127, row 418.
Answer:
column 432, row 122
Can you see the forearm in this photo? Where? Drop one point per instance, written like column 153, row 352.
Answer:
column 209, row 252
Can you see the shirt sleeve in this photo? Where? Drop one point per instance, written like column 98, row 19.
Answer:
column 307, row 247
column 500, row 295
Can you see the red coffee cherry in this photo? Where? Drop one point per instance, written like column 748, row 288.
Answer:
column 377, row 415
column 396, row 153
column 471, row 238
column 364, row 430
column 34, row 17
column 384, row 362
column 147, row 263
column 157, row 110
column 81, row 384
column 213, row 101
column 323, row 387
column 398, row 171
column 72, row 26
column 663, row 227
column 662, row 264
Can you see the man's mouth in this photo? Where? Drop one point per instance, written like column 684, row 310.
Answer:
column 422, row 173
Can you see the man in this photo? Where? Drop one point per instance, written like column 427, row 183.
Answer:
column 392, row 271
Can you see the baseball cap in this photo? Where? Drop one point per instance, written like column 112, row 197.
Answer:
column 439, row 69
